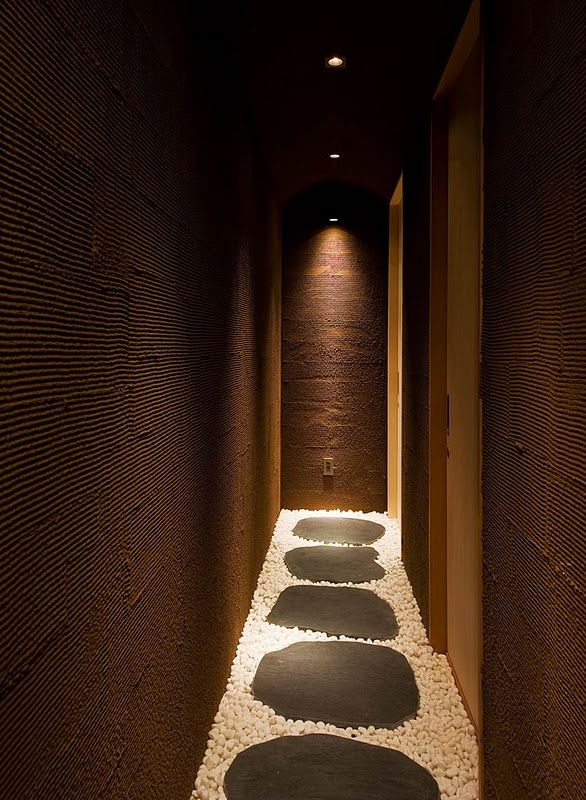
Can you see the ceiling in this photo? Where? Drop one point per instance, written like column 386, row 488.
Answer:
column 367, row 111
column 303, row 111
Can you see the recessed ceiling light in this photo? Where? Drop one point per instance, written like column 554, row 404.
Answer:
column 334, row 155
column 335, row 61
column 333, row 219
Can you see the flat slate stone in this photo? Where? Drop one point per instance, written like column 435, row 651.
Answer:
column 343, row 530
column 323, row 767
column 347, row 684
column 334, row 564
column 337, row 610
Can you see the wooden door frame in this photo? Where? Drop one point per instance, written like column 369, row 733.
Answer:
column 395, row 331
column 469, row 36
column 438, row 273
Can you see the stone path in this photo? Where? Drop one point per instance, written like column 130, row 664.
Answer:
column 348, row 684
column 326, row 767
column 390, row 721
column 334, row 564
column 337, row 610
column 338, row 531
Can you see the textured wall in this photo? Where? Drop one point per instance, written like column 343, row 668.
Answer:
column 140, row 347
column 534, row 396
column 415, row 434
column 334, row 351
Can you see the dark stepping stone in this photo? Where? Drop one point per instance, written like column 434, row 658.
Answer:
column 345, row 683
column 343, row 531
column 335, row 610
column 334, row 564
column 324, row 767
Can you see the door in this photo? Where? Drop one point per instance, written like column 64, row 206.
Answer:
column 463, row 507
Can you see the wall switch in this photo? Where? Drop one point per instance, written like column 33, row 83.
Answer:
column 328, row 466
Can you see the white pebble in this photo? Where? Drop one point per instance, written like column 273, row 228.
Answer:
column 441, row 737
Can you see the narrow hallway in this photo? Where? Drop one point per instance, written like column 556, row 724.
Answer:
column 258, row 256
column 332, row 687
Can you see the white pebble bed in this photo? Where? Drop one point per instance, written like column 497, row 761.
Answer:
column 440, row 738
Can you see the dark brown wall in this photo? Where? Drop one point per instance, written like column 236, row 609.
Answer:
column 334, row 352
column 415, row 434
column 140, row 347
column 534, row 400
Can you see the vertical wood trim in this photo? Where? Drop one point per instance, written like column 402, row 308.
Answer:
column 392, row 399
column 463, row 348
column 400, row 355
column 437, row 378
column 394, row 352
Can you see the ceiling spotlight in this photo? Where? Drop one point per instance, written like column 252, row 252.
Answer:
column 335, row 61
column 333, row 219
column 334, row 155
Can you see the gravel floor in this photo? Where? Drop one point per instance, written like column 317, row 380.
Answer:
column 440, row 739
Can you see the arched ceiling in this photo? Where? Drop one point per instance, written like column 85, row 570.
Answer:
column 367, row 111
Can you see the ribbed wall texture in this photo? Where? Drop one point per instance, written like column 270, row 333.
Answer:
column 415, row 433
column 140, row 348
column 534, row 400
column 334, row 353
